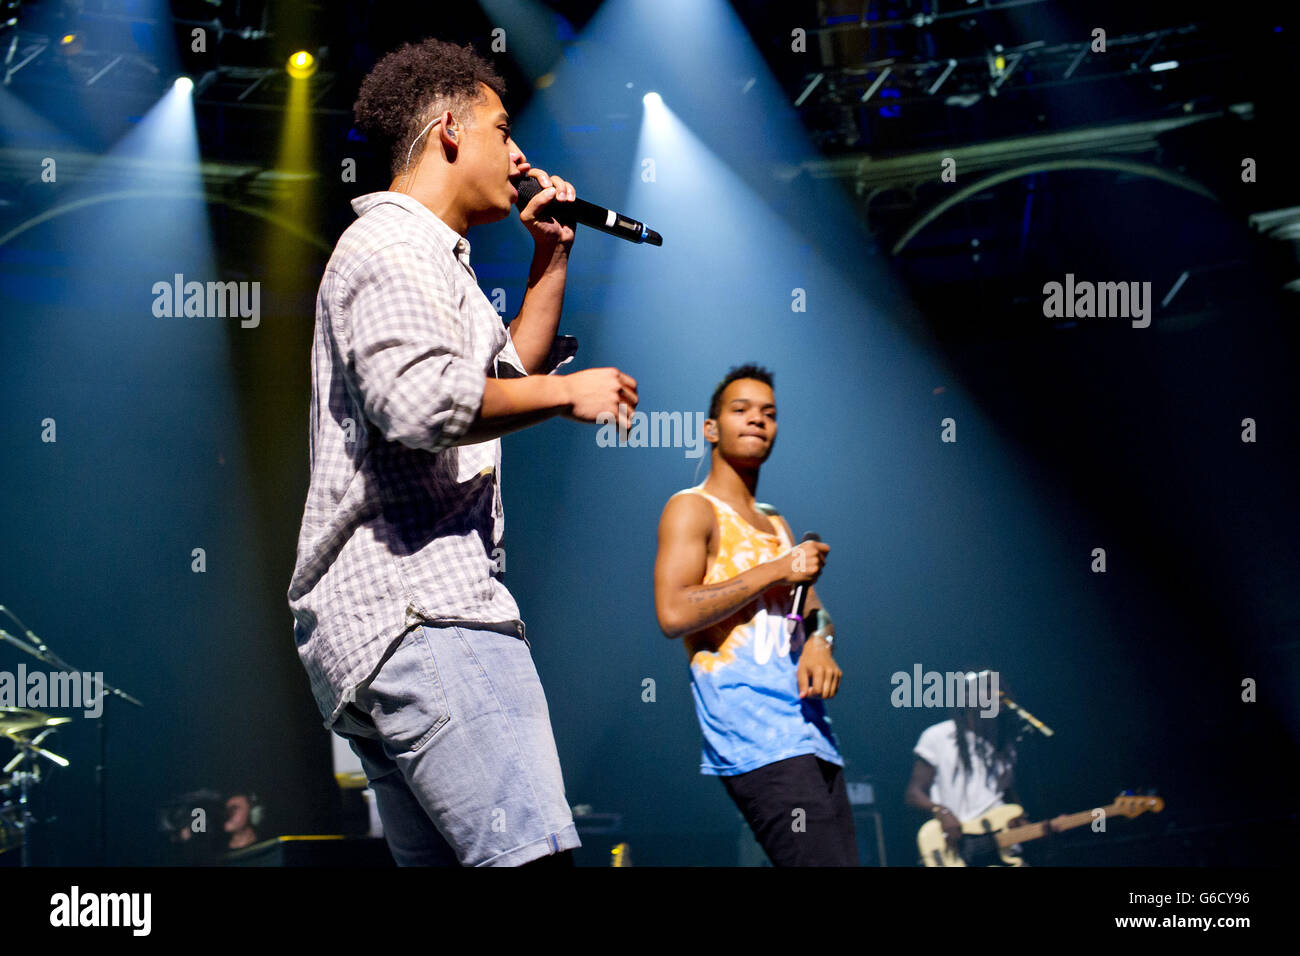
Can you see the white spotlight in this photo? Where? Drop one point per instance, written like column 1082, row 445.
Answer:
column 183, row 84
column 652, row 99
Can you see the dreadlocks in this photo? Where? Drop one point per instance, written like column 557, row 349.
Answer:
column 997, row 750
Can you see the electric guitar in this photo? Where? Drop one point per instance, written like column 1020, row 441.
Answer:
column 986, row 839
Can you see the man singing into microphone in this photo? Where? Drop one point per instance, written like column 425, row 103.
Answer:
column 725, row 578
column 414, row 646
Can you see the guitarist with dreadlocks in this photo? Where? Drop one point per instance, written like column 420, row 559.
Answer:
column 964, row 766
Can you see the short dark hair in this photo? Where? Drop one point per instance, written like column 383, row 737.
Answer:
column 749, row 370
column 413, row 83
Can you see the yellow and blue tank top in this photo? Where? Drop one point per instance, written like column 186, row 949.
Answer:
column 743, row 668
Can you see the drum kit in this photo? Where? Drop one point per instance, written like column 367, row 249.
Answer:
column 26, row 730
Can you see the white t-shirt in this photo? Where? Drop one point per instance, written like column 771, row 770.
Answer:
column 966, row 796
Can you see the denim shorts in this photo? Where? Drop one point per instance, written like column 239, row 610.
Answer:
column 455, row 738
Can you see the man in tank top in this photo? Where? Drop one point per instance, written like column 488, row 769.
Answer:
column 725, row 577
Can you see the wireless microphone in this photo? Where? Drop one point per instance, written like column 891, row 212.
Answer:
column 588, row 214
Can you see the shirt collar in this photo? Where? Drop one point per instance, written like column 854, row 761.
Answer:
column 443, row 235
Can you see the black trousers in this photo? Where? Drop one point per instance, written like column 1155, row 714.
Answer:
column 799, row 811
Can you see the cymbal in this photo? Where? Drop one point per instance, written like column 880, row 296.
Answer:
column 14, row 720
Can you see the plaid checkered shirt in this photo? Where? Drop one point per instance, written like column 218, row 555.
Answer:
column 400, row 525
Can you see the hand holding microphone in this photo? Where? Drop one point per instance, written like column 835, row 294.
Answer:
column 806, row 564
column 807, row 560
column 539, row 190
column 564, row 207
column 817, row 674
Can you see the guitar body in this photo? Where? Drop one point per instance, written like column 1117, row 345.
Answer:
column 989, row 838
column 978, row 846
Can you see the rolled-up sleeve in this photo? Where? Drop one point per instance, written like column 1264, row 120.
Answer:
column 402, row 341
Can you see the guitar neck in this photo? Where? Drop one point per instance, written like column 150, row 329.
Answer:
column 1033, row 831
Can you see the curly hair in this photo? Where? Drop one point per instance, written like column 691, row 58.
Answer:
column 749, row 370
column 414, row 83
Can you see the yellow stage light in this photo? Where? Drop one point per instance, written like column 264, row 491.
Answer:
column 301, row 65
